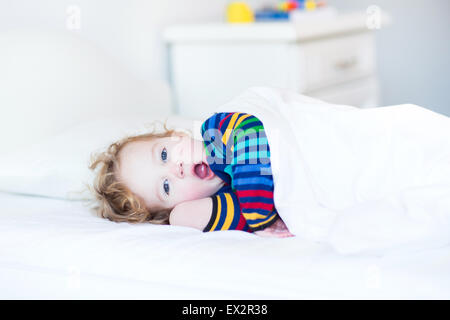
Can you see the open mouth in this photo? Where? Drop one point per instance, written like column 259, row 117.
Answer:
column 202, row 171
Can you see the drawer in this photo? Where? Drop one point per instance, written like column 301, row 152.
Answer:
column 332, row 61
column 362, row 93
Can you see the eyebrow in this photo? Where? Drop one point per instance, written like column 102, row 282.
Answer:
column 153, row 151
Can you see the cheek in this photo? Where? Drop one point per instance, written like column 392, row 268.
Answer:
column 194, row 190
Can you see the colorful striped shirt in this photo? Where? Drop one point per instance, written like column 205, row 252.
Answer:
column 238, row 152
column 226, row 213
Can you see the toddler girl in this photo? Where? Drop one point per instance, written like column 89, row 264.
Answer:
column 223, row 182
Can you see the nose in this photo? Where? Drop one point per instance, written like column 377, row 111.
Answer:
column 178, row 169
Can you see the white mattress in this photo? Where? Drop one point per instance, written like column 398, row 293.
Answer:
column 57, row 249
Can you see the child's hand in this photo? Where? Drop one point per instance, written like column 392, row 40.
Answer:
column 278, row 230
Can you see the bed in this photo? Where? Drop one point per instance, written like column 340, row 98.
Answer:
column 57, row 249
column 52, row 246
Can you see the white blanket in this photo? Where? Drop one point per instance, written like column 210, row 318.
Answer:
column 362, row 180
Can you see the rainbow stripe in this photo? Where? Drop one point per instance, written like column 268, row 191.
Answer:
column 238, row 152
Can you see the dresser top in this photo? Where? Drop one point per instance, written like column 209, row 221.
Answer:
column 287, row 31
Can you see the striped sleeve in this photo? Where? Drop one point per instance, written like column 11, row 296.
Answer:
column 226, row 214
column 251, row 171
column 237, row 145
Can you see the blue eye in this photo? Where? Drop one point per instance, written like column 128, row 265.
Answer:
column 164, row 154
column 166, row 186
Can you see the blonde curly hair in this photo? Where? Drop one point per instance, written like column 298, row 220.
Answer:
column 113, row 199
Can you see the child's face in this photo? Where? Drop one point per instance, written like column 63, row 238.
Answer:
column 161, row 171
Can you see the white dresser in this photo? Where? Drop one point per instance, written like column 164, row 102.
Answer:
column 333, row 60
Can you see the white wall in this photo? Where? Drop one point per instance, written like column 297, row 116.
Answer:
column 52, row 76
column 414, row 52
column 413, row 55
column 129, row 30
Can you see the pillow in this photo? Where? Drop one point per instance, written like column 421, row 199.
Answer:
column 51, row 80
column 58, row 166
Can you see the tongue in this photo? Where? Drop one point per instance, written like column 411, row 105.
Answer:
column 201, row 170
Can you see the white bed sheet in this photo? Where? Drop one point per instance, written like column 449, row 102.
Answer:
column 57, row 249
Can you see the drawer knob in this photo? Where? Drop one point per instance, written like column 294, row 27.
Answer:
column 347, row 63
